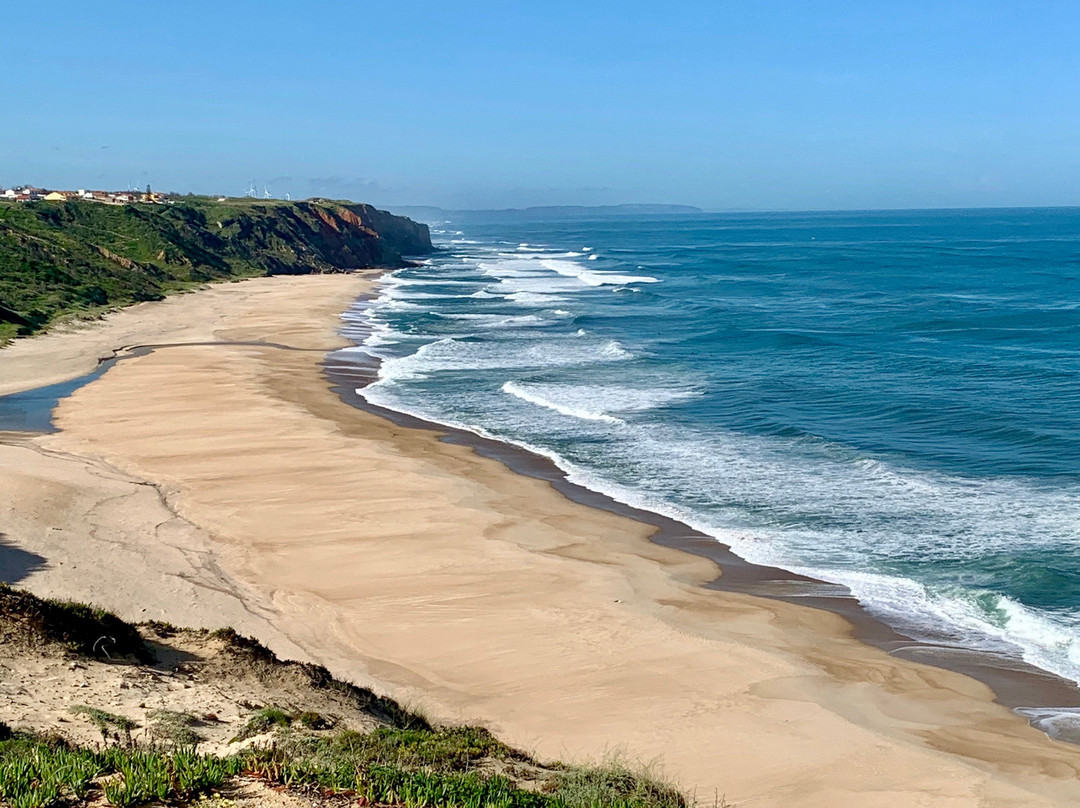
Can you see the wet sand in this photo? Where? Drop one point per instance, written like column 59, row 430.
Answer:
column 232, row 483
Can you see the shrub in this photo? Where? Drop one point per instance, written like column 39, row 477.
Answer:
column 174, row 727
column 106, row 721
column 86, row 630
column 264, row 720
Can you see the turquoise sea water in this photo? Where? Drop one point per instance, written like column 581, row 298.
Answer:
column 890, row 401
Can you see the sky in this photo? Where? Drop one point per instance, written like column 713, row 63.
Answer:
column 752, row 105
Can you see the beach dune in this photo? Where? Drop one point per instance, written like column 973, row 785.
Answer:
column 225, row 483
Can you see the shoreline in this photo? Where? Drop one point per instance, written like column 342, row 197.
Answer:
column 1017, row 684
column 1012, row 680
column 440, row 575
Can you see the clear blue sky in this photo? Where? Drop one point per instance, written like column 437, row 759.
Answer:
column 758, row 104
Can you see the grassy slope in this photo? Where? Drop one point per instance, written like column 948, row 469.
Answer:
column 77, row 258
column 404, row 760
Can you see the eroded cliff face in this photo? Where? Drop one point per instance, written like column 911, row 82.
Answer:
column 317, row 236
column 405, row 235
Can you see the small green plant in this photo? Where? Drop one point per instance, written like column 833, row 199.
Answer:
column 174, row 727
column 264, row 720
column 106, row 722
column 313, row 721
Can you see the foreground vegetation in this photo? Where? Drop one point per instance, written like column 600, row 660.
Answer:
column 400, row 760
column 81, row 257
column 434, row 768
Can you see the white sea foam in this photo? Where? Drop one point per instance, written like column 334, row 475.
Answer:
column 594, row 277
column 457, row 354
column 536, row 299
column 553, row 275
column 1062, row 723
column 396, row 295
column 394, row 280
column 962, row 618
column 530, row 394
column 596, row 402
column 867, row 516
column 496, row 320
column 394, row 304
column 613, row 350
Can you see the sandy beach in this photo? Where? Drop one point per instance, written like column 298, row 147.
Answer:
column 226, row 484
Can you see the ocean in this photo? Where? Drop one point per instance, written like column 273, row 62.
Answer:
column 884, row 400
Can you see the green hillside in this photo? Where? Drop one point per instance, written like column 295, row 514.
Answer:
column 78, row 257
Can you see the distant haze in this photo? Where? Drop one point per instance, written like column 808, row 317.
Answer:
column 778, row 104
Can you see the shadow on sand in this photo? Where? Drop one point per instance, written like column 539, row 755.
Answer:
column 17, row 564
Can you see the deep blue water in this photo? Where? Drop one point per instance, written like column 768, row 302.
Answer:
column 885, row 400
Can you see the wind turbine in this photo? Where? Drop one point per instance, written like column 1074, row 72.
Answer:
column 251, row 192
column 266, row 192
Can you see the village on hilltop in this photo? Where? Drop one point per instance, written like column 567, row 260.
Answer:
column 31, row 194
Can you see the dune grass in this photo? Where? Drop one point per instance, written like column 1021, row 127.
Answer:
column 444, row 768
column 452, row 766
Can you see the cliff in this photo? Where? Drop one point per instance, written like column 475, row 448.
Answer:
column 79, row 256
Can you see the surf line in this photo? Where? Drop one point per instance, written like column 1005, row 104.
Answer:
column 1024, row 688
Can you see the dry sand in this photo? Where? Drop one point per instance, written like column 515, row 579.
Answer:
column 227, row 484
column 194, row 674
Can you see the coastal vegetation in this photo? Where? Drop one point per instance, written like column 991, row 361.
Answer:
column 79, row 258
column 321, row 738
